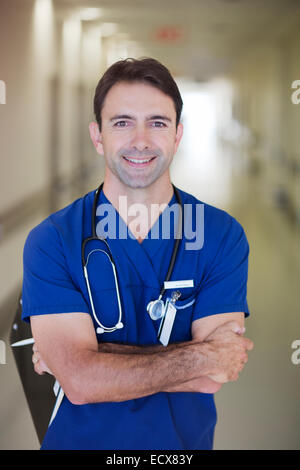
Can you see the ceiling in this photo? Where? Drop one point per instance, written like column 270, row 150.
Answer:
column 196, row 38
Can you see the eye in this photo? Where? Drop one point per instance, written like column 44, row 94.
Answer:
column 158, row 124
column 121, row 124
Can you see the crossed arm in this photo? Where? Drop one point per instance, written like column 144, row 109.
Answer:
column 90, row 373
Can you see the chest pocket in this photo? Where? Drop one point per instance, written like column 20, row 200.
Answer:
column 181, row 330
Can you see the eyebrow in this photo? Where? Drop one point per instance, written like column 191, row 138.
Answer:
column 160, row 118
column 121, row 116
column 148, row 118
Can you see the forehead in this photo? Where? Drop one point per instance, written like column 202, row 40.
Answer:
column 138, row 98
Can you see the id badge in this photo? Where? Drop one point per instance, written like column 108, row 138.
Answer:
column 166, row 323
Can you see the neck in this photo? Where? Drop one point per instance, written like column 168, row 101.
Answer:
column 159, row 192
column 141, row 206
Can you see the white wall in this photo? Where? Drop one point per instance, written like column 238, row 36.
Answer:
column 36, row 51
column 262, row 80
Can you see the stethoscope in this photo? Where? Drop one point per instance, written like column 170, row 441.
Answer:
column 155, row 308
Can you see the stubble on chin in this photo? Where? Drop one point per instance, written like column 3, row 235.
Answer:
column 139, row 181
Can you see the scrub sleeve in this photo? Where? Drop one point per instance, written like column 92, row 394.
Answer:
column 223, row 287
column 47, row 283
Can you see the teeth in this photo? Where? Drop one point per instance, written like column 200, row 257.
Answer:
column 133, row 160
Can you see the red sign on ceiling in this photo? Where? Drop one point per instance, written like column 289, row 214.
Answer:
column 169, row 34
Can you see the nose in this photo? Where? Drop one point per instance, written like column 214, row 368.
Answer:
column 140, row 140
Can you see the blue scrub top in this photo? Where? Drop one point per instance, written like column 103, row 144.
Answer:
column 54, row 283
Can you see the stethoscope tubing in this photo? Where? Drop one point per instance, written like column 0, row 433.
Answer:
column 94, row 236
column 104, row 328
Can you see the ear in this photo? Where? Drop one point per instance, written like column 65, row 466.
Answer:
column 96, row 137
column 179, row 132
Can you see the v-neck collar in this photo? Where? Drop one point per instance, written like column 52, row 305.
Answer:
column 153, row 230
column 155, row 238
column 140, row 254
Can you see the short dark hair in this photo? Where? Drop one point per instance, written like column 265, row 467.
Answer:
column 145, row 70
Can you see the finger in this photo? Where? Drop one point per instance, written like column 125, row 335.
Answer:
column 241, row 331
column 248, row 344
column 235, row 327
column 44, row 366
column 244, row 360
column 242, row 365
column 34, row 347
column 38, row 369
column 233, row 377
column 35, row 358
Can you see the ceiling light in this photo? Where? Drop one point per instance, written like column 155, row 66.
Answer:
column 89, row 14
column 109, row 29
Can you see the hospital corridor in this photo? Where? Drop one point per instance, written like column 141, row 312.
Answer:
column 237, row 66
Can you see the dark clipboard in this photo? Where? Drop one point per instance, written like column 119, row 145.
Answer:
column 38, row 389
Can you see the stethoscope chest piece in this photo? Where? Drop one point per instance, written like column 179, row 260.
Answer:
column 156, row 308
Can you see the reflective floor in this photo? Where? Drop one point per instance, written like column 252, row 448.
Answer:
column 261, row 410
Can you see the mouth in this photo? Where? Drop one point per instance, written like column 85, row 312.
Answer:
column 139, row 162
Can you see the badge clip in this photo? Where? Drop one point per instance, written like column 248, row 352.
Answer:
column 167, row 321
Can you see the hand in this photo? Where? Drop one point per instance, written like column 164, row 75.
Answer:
column 40, row 366
column 204, row 385
column 226, row 352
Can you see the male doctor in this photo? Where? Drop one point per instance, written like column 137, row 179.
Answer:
column 123, row 388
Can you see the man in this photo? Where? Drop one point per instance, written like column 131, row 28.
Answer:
column 123, row 388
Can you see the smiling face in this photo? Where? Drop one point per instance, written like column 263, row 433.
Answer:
column 138, row 135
